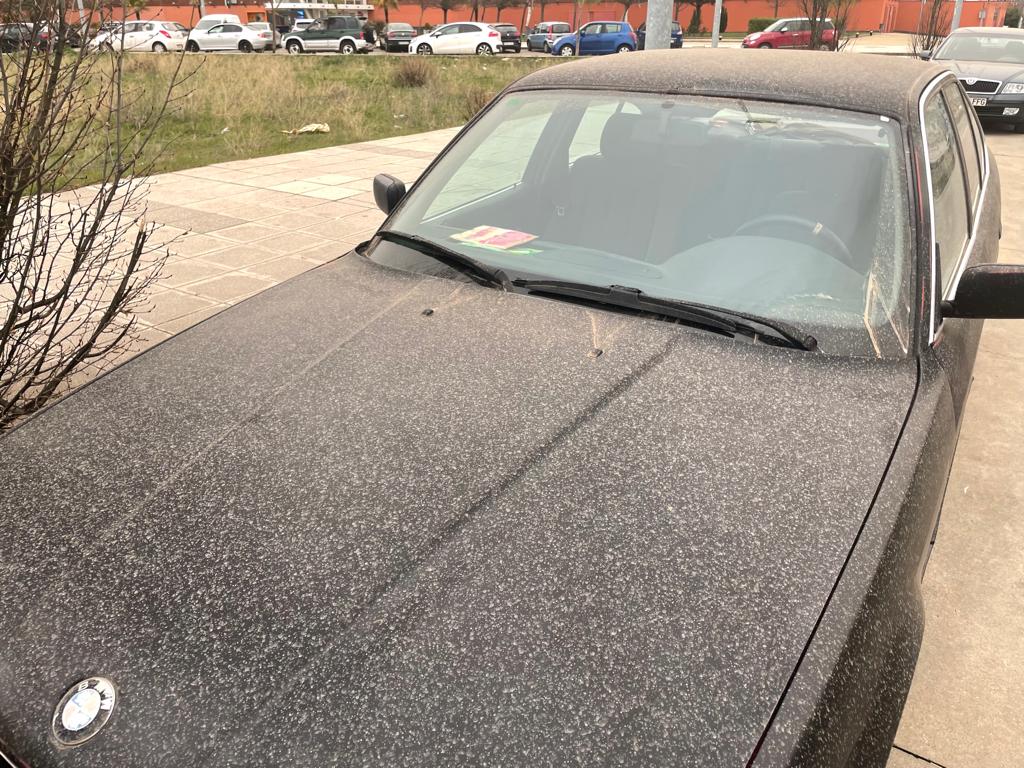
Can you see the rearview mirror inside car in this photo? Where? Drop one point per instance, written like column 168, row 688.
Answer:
column 387, row 191
column 988, row 291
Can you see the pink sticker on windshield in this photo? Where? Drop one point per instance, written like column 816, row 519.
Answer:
column 494, row 237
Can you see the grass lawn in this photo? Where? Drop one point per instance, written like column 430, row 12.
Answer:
column 236, row 107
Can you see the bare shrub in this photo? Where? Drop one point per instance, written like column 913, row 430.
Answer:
column 474, row 98
column 413, row 72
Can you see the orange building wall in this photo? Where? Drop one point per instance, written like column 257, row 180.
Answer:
column 867, row 15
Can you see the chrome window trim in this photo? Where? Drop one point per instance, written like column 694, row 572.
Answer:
column 965, row 254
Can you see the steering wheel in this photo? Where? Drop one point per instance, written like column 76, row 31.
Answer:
column 815, row 232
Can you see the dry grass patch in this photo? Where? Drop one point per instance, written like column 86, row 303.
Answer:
column 235, row 107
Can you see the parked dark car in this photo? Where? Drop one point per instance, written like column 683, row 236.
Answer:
column 544, row 34
column 510, row 37
column 990, row 64
column 396, row 36
column 623, row 440
column 597, row 38
column 15, row 37
column 791, row 33
column 676, row 40
column 342, row 34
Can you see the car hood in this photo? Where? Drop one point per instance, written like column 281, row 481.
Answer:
column 984, row 70
column 329, row 526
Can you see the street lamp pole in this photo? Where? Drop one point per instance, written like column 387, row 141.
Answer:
column 658, row 28
column 718, row 22
column 957, row 10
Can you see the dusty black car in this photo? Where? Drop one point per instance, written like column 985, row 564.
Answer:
column 990, row 64
column 603, row 450
column 511, row 40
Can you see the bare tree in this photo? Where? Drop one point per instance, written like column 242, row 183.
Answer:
column 75, row 266
column 818, row 12
column 932, row 26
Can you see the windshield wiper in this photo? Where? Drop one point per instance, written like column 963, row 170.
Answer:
column 713, row 318
column 475, row 269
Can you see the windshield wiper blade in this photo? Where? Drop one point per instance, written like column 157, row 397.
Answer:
column 475, row 269
column 713, row 318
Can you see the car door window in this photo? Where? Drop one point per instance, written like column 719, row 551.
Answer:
column 612, row 28
column 231, row 28
column 949, row 196
column 968, row 142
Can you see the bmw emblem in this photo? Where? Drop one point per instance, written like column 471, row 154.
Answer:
column 83, row 711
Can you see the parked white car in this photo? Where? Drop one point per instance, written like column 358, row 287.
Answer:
column 156, row 36
column 214, row 19
column 458, row 37
column 229, row 37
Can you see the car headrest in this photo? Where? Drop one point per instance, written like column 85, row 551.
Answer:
column 631, row 136
column 617, row 134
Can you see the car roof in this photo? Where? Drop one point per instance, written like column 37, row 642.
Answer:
column 995, row 31
column 885, row 85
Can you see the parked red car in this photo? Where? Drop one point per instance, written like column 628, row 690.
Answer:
column 791, row 33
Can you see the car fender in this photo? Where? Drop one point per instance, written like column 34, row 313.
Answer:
column 847, row 692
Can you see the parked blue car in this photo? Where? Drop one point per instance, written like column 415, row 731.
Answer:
column 596, row 38
column 676, row 41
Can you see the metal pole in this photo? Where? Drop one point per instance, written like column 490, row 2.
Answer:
column 718, row 21
column 659, row 24
column 956, row 15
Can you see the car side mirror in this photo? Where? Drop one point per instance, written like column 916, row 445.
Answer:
column 387, row 191
column 993, row 291
column 925, row 55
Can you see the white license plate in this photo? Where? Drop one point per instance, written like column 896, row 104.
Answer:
column 977, row 102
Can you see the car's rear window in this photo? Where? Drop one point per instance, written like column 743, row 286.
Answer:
column 793, row 213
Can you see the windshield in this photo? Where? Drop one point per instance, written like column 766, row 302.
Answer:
column 991, row 48
column 793, row 213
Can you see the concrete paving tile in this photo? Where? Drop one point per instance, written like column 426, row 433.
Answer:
column 185, row 271
column 247, row 233
column 332, row 210
column 327, row 252
column 293, row 220
column 291, row 242
column 331, row 193
column 198, row 244
column 280, row 201
column 332, row 179
column 241, row 256
column 297, row 187
column 170, row 305
column 231, row 288
column 342, row 229
column 193, row 220
column 282, row 268
column 187, row 321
